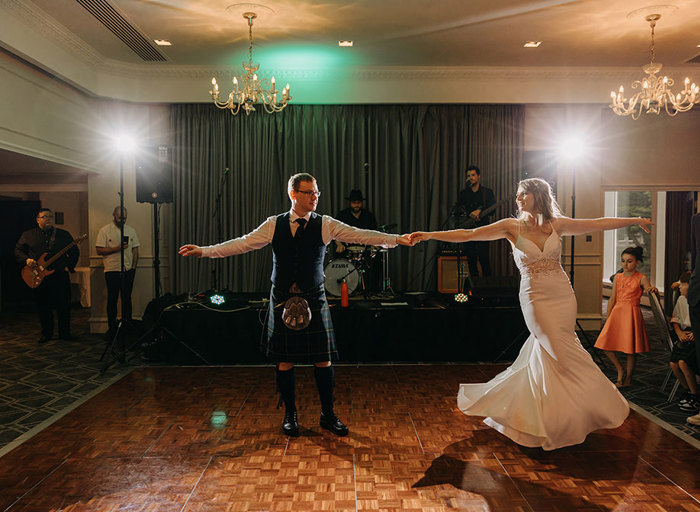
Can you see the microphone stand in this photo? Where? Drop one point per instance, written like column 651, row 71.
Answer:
column 216, row 270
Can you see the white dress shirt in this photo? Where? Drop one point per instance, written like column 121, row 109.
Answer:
column 331, row 229
column 110, row 237
column 681, row 313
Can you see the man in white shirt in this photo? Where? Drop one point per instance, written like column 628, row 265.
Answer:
column 109, row 244
column 299, row 238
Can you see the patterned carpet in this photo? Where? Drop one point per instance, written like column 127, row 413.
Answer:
column 39, row 382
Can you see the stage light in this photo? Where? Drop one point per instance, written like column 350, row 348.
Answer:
column 217, row 299
column 461, row 297
column 124, row 143
column 571, row 147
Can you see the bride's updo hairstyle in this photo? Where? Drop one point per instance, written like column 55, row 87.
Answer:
column 544, row 202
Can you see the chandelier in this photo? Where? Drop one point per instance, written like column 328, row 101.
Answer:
column 251, row 90
column 654, row 91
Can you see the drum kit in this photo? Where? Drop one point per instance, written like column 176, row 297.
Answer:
column 352, row 264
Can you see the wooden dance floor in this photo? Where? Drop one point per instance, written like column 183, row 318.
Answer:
column 208, row 439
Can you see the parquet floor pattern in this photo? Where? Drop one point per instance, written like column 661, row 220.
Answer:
column 208, row 439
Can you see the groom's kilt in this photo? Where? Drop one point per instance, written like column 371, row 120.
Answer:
column 314, row 344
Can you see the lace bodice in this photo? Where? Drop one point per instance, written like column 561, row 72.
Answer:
column 532, row 261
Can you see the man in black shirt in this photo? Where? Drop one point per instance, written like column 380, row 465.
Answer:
column 472, row 200
column 54, row 290
column 359, row 217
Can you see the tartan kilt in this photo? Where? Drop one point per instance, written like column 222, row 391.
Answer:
column 314, row 344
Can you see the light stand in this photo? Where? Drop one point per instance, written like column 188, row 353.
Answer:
column 571, row 272
column 117, row 346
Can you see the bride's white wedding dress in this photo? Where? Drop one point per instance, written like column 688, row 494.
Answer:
column 553, row 395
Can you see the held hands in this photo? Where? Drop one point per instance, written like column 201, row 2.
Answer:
column 405, row 240
column 645, row 224
column 652, row 289
column 31, row 262
column 190, row 250
column 419, row 236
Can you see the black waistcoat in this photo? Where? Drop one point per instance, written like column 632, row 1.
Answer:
column 297, row 260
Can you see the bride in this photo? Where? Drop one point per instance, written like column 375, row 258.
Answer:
column 553, row 395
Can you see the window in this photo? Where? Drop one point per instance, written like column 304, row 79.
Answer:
column 636, row 203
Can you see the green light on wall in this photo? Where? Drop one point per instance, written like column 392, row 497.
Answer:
column 307, row 57
column 298, row 57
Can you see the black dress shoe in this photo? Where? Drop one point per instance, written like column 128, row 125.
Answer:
column 334, row 424
column 290, row 426
column 44, row 338
column 68, row 337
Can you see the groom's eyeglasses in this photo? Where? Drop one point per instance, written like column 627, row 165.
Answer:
column 309, row 193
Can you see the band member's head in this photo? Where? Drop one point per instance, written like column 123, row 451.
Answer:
column 473, row 175
column 304, row 193
column 44, row 218
column 356, row 200
column 119, row 216
column 535, row 197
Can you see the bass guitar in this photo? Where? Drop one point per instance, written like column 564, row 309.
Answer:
column 467, row 222
column 35, row 274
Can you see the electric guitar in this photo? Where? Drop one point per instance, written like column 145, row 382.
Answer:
column 35, row 274
column 470, row 222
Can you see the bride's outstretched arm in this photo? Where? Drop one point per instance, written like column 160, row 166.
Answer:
column 501, row 229
column 567, row 226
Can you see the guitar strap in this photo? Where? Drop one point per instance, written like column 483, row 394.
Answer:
column 53, row 239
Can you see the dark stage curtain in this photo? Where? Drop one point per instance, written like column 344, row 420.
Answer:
column 679, row 210
column 407, row 159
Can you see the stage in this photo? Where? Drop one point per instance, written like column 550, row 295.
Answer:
column 208, row 439
column 403, row 328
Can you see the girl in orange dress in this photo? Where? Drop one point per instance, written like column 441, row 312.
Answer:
column 624, row 329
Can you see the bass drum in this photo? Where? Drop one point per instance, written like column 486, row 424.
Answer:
column 337, row 270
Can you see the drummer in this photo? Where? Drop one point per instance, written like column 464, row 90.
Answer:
column 356, row 216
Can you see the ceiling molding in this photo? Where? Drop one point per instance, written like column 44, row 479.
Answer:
column 54, row 31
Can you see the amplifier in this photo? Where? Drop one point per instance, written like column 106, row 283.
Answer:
column 447, row 274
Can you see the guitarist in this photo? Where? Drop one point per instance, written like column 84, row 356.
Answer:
column 472, row 200
column 54, row 290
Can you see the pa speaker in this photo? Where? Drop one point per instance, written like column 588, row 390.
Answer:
column 154, row 175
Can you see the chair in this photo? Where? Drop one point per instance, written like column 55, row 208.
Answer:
column 666, row 337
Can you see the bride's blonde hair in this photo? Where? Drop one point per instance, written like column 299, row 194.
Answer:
column 544, row 201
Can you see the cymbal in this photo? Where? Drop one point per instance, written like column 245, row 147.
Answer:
column 384, row 227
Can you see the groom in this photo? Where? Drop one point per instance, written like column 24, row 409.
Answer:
column 299, row 238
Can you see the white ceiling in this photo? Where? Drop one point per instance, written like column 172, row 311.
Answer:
column 399, row 32
column 455, row 42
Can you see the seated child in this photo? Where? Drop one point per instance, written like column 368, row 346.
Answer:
column 683, row 360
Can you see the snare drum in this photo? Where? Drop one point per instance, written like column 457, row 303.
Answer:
column 337, row 270
column 355, row 252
